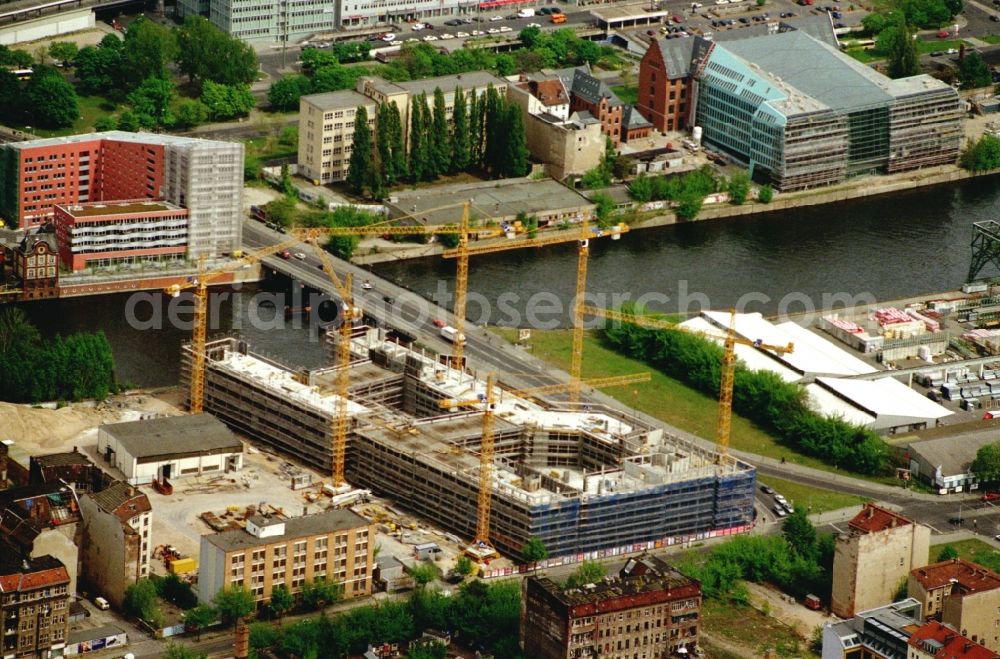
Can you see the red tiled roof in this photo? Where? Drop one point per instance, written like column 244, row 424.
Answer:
column 873, row 519
column 21, row 581
column 970, row 577
column 953, row 644
column 550, row 92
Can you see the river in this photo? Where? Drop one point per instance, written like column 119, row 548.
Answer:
column 886, row 247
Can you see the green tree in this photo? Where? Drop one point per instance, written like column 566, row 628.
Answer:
column 424, row 573
column 226, row 101
column 104, row 123
column 52, row 100
column 359, row 171
column 605, row 208
column 588, row 572
column 396, row 143
column 689, row 205
column 464, row 566
column 418, row 164
column 285, row 93
column 282, row 601
column 460, row 133
column 198, row 618
column 98, row 69
column 234, row 603
column 151, row 102
column 765, row 194
column 897, row 41
column 800, row 534
column 147, row 50
column 441, row 149
column 320, row 593
column 142, row 602
column 128, row 121
column 986, row 465
column 973, row 72
column 947, row 553
column 874, row 23
column 19, row 59
column 534, row 551
column 178, row 651
column 475, row 131
column 190, row 113
column 530, row 37
column 429, row 651
column 16, row 331
column 739, row 188
column 63, row 51
column 334, row 78
column 982, row 155
column 515, row 154
column 173, row 589
column 207, row 53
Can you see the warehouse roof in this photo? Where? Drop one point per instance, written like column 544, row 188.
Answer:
column 197, row 434
column 883, row 398
column 953, row 454
column 295, row 527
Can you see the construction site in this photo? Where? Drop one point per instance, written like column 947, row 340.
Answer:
column 582, row 478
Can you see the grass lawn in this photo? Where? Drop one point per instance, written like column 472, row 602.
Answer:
column 924, row 47
column 663, row 397
column 976, row 551
column 749, row 628
column 90, row 110
column 865, row 56
column 627, row 94
column 991, row 38
column 814, row 499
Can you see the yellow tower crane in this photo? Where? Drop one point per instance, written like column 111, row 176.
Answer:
column 729, row 342
column 198, row 285
column 481, row 546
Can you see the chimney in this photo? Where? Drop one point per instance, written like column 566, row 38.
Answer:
column 241, row 645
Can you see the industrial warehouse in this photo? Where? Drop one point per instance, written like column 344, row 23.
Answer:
column 582, row 479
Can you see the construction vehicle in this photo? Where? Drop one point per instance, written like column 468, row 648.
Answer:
column 729, row 342
column 481, row 548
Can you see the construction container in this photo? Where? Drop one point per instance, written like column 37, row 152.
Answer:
column 183, row 566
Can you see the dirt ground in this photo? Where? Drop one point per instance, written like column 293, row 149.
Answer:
column 90, row 37
column 793, row 614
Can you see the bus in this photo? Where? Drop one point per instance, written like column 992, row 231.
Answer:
column 23, row 74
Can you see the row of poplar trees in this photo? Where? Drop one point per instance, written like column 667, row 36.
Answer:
column 485, row 133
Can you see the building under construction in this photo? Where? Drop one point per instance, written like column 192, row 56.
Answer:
column 581, row 478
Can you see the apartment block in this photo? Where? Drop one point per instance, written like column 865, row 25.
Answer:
column 870, row 560
column 120, row 232
column 337, row 545
column 961, row 594
column 205, row 177
column 34, row 607
column 115, row 543
column 665, row 89
column 326, row 121
column 35, row 263
column 648, row 610
column 41, row 520
column 936, row 641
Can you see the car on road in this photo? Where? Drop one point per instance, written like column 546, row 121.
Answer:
column 766, row 489
column 367, row 285
column 447, row 36
column 285, row 254
column 468, row 21
column 836, row 14
column 430, row 37
column 936, row 53
column 779, row 498
column 453, row 22
column 943, row 34
column 538, row 25
column 506, row 28
column 413, row 40
column 995, row 18
column 789, row 508
column 677, row 19
column 957, row 521
column 493, row 30
column 416, row 27
column 495, row 18
column 779, row 511
column 438, row 323
column 300, row 256
column 478, row 33
column 991, row 496
column 952, row 51
column 512, row 17
column 840, row 25
column 388, row 37
column 462, row 35
column 744, row 20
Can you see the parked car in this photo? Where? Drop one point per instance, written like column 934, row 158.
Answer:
column 416, row 27
column 957, row 521
column 676, row 19
column 496, row 18
column 995, row 18
column 991, row 496
column 943, row 34
column 439, row 323
column 300, row 256
column 779, row 511
column 285, row 254
column 388, row 37
column 766, row 489
column 101, row 603
column 933, row 395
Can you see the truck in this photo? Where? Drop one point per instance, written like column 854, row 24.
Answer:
column 452, row 335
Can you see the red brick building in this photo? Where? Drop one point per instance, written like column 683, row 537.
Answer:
column 120, row 232
column 665, row 89
column 649, row 610
column 35, row 262
column 34, row 607
column 590, row 95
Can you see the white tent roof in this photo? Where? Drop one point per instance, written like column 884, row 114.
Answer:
column 752, row 357
column 882, row 403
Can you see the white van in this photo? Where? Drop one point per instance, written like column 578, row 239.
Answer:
column 102, row 603
column 526, row 13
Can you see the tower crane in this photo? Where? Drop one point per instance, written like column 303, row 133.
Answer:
column 729, row 342
column 481, row 546
column 198, row 285
column 582, row 238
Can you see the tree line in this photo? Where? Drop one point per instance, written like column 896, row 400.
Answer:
column 762, row 396
column 67, row 368
column 485, row 132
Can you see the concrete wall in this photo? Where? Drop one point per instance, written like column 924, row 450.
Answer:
column 59, row 543
column 975, row 616
column 47, row 26
column 110, row 559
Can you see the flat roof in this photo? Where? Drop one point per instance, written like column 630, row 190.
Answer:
column 626, row 12
column 121, row 135
column 448, row 84
column 489, row 199
column 195, row 434
column 295, row 527
column 118, row 208
column 345, row 98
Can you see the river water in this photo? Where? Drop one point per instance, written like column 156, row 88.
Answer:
column 886, row 247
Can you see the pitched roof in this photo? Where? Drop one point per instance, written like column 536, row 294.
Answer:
column 632, row 119
column 591, row 89
column 35, row 573
column 549, row 92
column 967, row 576
column 873, row 519
column 295, row 527
column 121, row 499
column 676, row 56
column 943, row 642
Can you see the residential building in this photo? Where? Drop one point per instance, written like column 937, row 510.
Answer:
column 648, row 610
column 546, row 96
column 881, row 633
column 936, row 641
column 590, row 95
column 41, row 520
column 115, row 544
column 34, row 606
column 326, row 121
column 390, row 575
column 870, row 560
column 35, row 263
column 170, row 447
column 120, row 232
column 205, row 177
column 72, row 468
column 759, row 99
column 962, row 594
column 337, row 545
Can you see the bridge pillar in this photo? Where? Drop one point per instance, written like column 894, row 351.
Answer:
column 985, row 247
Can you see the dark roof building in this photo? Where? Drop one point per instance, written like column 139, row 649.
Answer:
column 72, row 467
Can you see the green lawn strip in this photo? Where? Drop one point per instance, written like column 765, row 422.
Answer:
column 747, row 627
column 815, row 500
column 976, row 551
column 990, row 38
column 628, row 94
column 685, row 407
